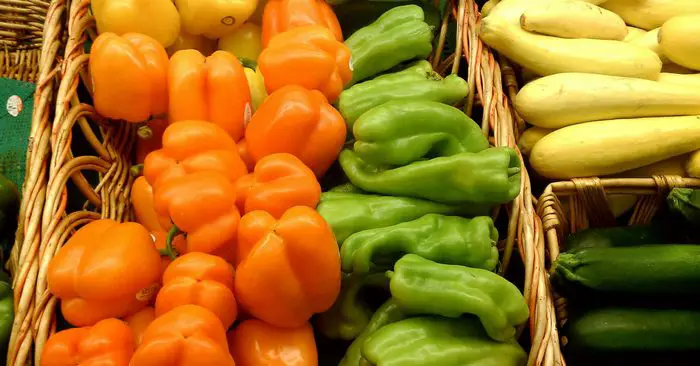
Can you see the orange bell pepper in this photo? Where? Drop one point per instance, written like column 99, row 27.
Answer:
column 300, row 122
column 245, row 155
column 253, row 226
column 193, row 146
column 203, row 205
column 199, row 279
column 155, row 142
column 255, row 343
column 139, row 322
column 292, row 270
column 106, row 270
column 307, row 56
column 129, row 76
column 212, row 88
column 109, row 342
column 282, row 15
column 279, row 182
column 142, row 203
column 187, row 335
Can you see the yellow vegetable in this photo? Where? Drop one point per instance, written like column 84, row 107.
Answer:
column 258, row 14
column 158, row 19
column 613, row 146
column 692, row 166
column 676, row 69
column 650, row 40
column 256, row 83
column 565, row 99
column 573, row 19
column 530, row 137
column 186, row 41
column 680, row 40
column 672, row 166
column 552, row 55
column 650, row 14
column 244, row 42
column 633, row 33
column 488, row 6
column 214, row 18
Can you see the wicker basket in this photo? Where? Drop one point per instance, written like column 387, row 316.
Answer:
column 587, row 206
column 48, row 223
column 21, row 33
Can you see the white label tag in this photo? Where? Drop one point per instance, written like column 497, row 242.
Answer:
column 14, row 105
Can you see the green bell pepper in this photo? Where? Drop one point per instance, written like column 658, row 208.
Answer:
column 417, row 82
column 421, row 286
column 491, row 176
column 399, row 35
column 349, row 315
column 346, row 188
column 348, row 213
column 7, row 314
column 436, row 341
column 402, row 132
column 444, row 239
column 388, row 313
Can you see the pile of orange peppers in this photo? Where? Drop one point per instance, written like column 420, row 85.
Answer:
column 227, row 258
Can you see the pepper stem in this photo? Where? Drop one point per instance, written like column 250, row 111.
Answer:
column 169, row 250
column 136, row 170
column 144, row 132
column 246, row 62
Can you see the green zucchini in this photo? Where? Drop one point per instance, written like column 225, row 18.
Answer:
column 627, row 329
column 616, row 237
column 651, row 269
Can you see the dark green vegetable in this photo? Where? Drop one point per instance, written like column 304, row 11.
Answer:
column 390, row 312
column 616, row 237
column 651, row 269
column 628, row 329
column 686, row 202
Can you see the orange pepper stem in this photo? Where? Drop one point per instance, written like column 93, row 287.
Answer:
column 169, row 250
column 144, row 132
column 136, row 170
column 246, row 62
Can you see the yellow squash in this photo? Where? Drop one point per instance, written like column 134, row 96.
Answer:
column 633, row 33
column 650, row 40
column 530, row 137
column 692, row 166
column 613, row 146
column 680, row 40
column 650, row 14
column 564, row 99
column 573, row 19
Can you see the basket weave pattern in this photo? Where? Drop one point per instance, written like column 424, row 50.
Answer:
column 46, row 224
column 21, row 33
column 588, row 207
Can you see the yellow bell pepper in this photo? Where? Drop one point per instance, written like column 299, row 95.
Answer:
column 214, row 18
column 245, row 42
column 157, row 19
column 186, row 41
column 256, row 83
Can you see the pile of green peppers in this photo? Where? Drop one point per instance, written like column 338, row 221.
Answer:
column 412, row 219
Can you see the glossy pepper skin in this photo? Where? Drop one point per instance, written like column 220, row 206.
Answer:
column 390, row 312
column 145, row 146
column 307, row 56
column 214, row 18
column 349, row 213
column 142, row 204
column 300, row 122
column 278, row 183
column 109, row 342
column 425, row 287
column 186, row 335
column 256, row 84
column 129, row 76
column 93, row 273
column 296, row 261
column 436, row 341
column 186, row 41
column 491, row 176
column 158, row 19
column 417, row 82
column 199, row 279
column 282, row 15
column 255, row 343
column 444, row 239
column 403, row 131
column 212, row 88
column 349, row 315
column 244, row 42
column 399, row 35
column 7, row 313
column 139, row 321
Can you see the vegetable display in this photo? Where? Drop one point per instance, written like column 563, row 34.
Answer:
column 291, row 189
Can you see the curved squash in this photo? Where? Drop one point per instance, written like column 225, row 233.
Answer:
column 573, row 19
column 680, row 40
column 650, row 14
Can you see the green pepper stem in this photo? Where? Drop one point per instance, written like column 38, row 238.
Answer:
column 144, row 132
column 136, row 170
column 390, row 274
column 246, row 62
column 169, row 250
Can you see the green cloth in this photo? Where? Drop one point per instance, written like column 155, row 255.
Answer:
column 16, row 105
